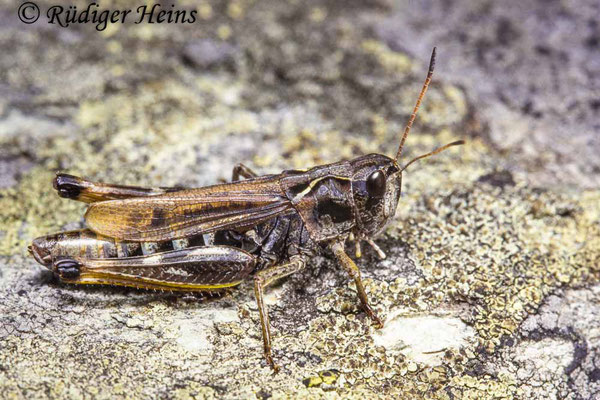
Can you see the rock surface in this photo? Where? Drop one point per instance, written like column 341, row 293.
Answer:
column 491, row 285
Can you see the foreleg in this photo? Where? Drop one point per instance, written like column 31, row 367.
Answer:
column 354, row 272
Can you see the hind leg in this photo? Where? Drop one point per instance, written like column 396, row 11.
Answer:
column 262, row 279
column 202, row 268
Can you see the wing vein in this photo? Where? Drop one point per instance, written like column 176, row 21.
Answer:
column 184, row 213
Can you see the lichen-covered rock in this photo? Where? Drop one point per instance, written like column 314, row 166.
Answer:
column 490, row 285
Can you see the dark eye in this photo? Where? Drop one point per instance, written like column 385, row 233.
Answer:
column 376, row 184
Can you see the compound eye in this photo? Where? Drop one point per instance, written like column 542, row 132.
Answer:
column 376, row 184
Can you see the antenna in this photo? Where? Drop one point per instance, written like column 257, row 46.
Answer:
column 438, row 150
column 416, row 109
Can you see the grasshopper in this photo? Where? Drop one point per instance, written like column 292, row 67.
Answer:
column 212, row 238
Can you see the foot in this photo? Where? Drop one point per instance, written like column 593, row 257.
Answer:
column 271, row 363
column 377, row 322
column 379, row 252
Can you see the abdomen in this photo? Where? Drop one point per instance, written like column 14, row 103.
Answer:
column 87, row 244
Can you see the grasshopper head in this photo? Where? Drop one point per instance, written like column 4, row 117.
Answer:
column 376, row 185
column 377, row 179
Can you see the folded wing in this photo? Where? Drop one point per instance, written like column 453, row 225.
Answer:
column 239, row 206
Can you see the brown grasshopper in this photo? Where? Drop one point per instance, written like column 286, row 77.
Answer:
column 212, row 238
